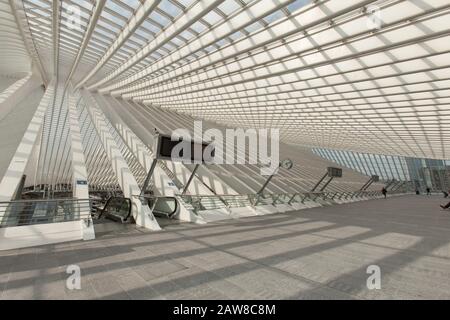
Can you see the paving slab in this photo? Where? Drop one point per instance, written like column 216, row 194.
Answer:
column 315, row 253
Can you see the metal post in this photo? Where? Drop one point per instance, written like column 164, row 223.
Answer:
column 19, row 190
column 326, row 184
column 303, row 199
column 393, row 185
column 292, row 198
column 265, row 184
column 390, row 183
column 190, row 179
column 398, row 186
column 320, row 181
column 255, row 202
column 275, row 200
column 148, row 178
column 367, row 184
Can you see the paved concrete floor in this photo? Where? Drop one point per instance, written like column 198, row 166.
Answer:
column 320, row 253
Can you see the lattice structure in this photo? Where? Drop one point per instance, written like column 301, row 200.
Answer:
column 369, row 76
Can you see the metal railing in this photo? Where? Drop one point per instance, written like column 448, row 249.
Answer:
column 211, row 202
column 29, row 212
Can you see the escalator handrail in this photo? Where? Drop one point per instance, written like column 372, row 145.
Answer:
column 171, row 198
column 157, row 198
column 106, row 205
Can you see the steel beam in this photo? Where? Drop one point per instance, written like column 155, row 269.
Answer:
column 319, row 182
column 326, row 184
column 190, row 178
column 87, row 36
column 256, row 11
column 135, row 21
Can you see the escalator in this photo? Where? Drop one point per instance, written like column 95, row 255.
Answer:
column 115, row 215
column 116, row 209
column 165, row 210
column 163, row 207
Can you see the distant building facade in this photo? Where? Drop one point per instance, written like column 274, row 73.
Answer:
column 423, row 172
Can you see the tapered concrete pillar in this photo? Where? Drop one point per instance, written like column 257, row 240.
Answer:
column 162, row 181
column 80, row 181
column 141, row 213
column 80, row 188
column 126, row 112
column 16, row 168
column 15, row 92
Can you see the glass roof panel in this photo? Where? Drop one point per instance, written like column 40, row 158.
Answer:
column 309, row 67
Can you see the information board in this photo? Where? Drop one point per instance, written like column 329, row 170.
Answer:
column 334, row 172
column 183, row 150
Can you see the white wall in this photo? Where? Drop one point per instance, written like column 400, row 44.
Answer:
column 40, row 234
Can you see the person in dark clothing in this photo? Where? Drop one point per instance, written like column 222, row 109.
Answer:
column 384, row 192
column 428, row 191
column 446, row 206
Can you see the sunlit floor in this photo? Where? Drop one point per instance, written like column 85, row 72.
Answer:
column 320, row 253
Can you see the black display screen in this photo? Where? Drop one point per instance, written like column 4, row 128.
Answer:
column 166, row 146
column 334, row 172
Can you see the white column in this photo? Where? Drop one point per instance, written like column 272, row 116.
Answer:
column 80, row 184
column 181, row 172
column 80, row 190
column 141, row 213
column 161, row 180
column 17, row 166
column 15, row 92
column 140, row 150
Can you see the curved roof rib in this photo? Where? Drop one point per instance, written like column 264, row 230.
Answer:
column 364, row 75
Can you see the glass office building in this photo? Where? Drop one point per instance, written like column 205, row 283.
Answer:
column 423, row 172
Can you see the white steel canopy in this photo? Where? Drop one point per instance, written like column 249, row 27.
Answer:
column 362, row 75
column 13, row 54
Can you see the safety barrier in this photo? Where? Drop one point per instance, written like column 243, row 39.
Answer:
column 30, row 212
column 26, row 223
column 211, row 202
